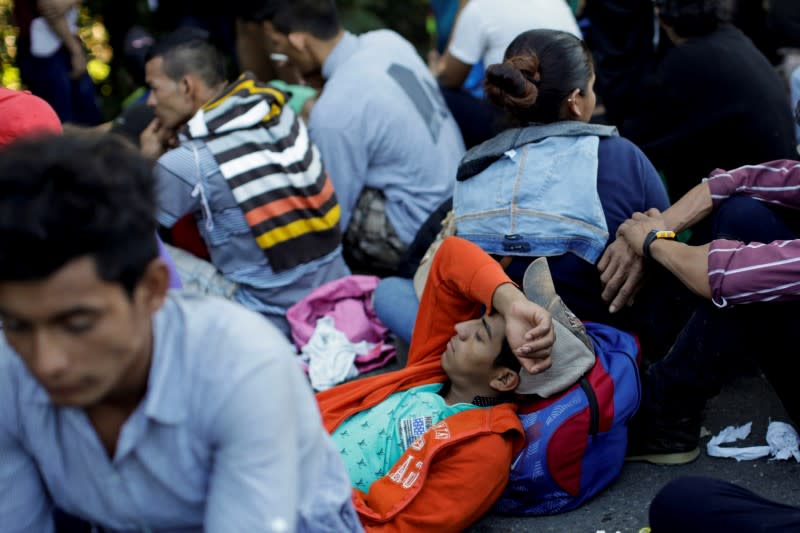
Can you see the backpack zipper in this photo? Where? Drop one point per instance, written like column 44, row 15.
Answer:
column 594, row 408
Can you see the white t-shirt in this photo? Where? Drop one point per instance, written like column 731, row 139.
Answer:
column 44, row 41
column 485, row 28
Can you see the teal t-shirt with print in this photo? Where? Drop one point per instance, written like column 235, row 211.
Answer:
column 372, row 441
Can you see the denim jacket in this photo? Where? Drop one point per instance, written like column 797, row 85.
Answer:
column 533, row 192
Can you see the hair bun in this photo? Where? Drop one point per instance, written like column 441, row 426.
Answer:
column 507, row 78
column 513, row 83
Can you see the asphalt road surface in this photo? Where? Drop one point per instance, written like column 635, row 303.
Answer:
column 623, row 506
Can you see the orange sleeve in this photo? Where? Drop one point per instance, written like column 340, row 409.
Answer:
column 462, row 279
column 461, row 486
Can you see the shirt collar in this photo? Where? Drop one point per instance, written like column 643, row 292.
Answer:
column 164, row 400
column 344, row 50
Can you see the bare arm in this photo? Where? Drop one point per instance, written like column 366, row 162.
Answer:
column 452, row 73
column 621, row 268
column 688, row 263
column 529, row 327
column 693, row 207
column 55, row 13
column 253, row 50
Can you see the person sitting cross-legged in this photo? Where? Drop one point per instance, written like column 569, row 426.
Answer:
column 747, row 279
column 429, row 447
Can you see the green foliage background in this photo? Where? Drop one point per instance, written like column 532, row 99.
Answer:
column 407, row 17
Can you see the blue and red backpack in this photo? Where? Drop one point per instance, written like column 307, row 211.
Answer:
column 576, row 440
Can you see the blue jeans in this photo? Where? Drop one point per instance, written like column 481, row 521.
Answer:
column 396, row 305
column 48, row 78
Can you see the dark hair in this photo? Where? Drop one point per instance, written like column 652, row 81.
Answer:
column 320, row 18
column 186, row 51
column 506, row 358
column 539, row 71
column 692, row 18
column 255, row 10
column 69, row 196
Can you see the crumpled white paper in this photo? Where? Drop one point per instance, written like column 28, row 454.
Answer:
column 782, row 443
column 331, row 356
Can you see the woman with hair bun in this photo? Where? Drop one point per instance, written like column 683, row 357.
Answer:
column 551, row 185
column 554, row 185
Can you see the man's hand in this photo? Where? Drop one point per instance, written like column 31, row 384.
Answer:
column 530, row 333
column 635, row 229
column 621, row 273
column 155, row 140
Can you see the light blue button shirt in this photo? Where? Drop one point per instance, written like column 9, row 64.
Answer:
column 228, row 438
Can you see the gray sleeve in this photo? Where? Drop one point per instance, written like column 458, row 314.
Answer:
column 177, row 174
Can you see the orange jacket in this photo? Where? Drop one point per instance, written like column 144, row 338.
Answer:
column 453, row 474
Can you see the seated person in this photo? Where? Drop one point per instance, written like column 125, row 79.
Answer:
column 385, row 134
column 128, row 406
column 483, row 31
column 243, row 164
column 557, row 186
column 747, row 280
column 673, row 123
column 429, row 447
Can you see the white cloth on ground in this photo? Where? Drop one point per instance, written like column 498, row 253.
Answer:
column 331, row 356
column 782, row 443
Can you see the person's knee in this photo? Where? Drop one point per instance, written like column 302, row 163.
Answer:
column 389, row 292
column 395, row 303
column 748, row 220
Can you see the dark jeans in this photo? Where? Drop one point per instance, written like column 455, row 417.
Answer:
column 700, row 505
column 48, row 78
column 65, row 523
column 716, row 343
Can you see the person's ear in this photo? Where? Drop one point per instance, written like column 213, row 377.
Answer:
column 574, row 102
column 504, row 380
column 153, row 287
column 187, row 86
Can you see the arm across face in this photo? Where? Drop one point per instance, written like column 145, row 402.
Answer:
column 529, row 328
column 463, row 277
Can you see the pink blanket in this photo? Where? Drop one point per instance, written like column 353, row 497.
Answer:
column 349, row 301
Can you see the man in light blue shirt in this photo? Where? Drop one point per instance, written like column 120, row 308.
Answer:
column 385, row 133
column 128, row 407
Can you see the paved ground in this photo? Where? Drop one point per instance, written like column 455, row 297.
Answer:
column 623, row 506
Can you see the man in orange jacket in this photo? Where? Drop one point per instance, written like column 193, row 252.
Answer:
column 429, row 447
